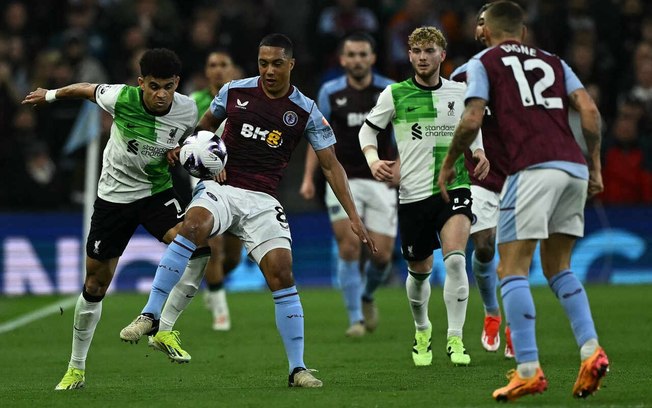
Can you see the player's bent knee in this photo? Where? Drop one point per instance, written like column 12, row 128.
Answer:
column 485, row 253
column 197, row 225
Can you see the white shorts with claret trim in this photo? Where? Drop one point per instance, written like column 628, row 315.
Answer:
column 257, row 218
column 485, row 206
column 538, row 202
column 376, row 204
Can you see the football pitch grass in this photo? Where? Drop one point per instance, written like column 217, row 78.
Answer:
column 246, row 367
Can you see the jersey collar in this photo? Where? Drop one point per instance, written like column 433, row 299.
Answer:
column 426, row 88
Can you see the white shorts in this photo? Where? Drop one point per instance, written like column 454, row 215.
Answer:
column 485, row 208
column 375, row 201
column 254, row 217
column 538, row 202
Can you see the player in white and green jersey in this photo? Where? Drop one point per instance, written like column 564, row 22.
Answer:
column 424, row 111
column 135, row 186
column 219, row 70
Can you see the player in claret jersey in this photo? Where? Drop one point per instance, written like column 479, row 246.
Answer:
column 529, row 91
column 345, row 102
column 266, row 117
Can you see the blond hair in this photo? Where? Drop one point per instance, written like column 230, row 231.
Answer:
column 427, row 35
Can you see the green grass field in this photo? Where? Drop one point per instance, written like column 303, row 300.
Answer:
column 247, row 366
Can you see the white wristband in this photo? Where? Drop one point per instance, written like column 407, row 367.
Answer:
column 371, row 155
column 51, row 96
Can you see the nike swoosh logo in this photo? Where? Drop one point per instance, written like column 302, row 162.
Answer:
column 412, row 108
column 457, row 207
column 567, row 295
column 462, row 300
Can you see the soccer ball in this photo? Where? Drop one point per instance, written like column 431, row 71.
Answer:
column 203, row 154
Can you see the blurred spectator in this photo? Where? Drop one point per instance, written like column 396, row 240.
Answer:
column 642, row 91
column 86, row 68
column 415, row 13
column 625, row 179
column 35, row 183
column 334, row 22
column 201, row 42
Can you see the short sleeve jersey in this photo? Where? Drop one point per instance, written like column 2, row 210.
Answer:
column 134, row 164
column 424, row 120
column 527, row 89
column 261, row 133
column 346, row 109
column 492, row 145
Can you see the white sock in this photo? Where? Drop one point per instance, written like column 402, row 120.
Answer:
column 527, row 370
column 588, row 348
column 456, row 292
column 183, row 293
column 418, row 293
column 217, row 301
column 87, row 315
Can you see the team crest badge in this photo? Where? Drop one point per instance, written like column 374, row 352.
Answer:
column 290, row 118
column 451, row 108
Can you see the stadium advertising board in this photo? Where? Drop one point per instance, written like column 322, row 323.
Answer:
column 41, row 254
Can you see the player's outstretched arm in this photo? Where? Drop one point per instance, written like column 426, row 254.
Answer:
column 336, row 177
column 465, row 133
column 591, row 122
column 40, row 96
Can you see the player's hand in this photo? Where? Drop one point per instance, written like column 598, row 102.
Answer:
column 36, row 97
column 307, row 190
column 446, row 175
column 221, row 176
column 173, row 156
column 383, row 170
column 360, row 230
column 595, row 183
column 482, row 165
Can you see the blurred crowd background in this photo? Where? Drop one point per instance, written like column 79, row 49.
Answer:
column 52, row 43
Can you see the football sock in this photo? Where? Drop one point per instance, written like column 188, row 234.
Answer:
column 527, row 370
column 588, row 349
column 486, row 279
column 417, row 286
column 572, row 296
column 184, row 291
column 521, row 315
column 88, row 311
column 168, row 273
column 376, row 275
column 456, row 291
column 348, row 273
column 289, row 322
